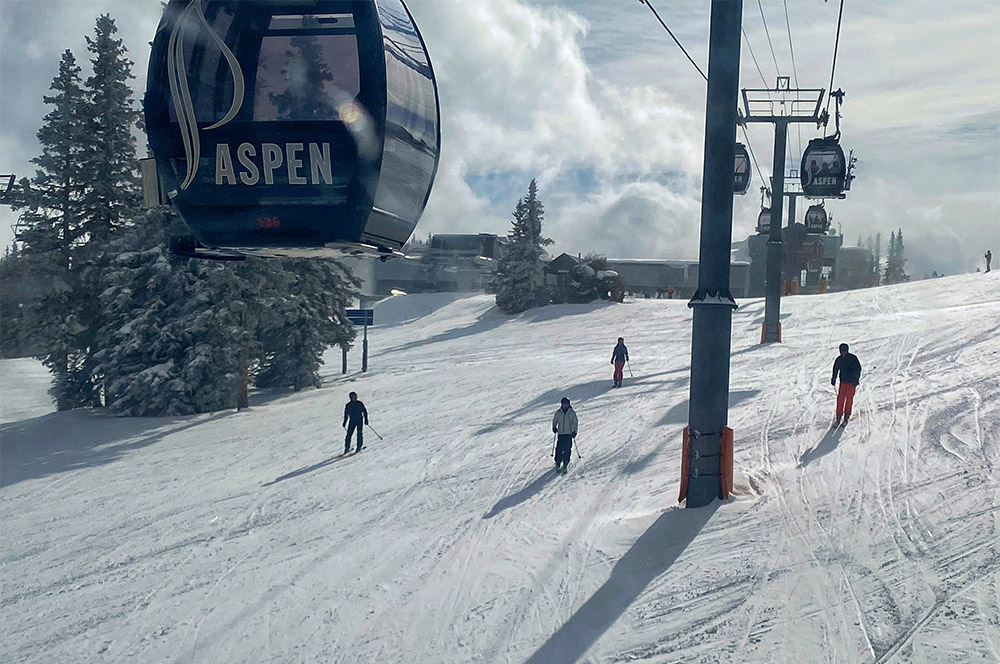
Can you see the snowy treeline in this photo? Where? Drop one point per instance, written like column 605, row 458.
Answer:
column 117, row 319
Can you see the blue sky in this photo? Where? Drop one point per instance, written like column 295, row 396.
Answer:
column 593, row 99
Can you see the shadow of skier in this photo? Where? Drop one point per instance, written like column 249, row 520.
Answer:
column 651, row 555
column 824, row 447
column 307, row 469
column 522, row 495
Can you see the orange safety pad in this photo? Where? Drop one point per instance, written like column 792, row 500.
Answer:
column 726, row 462
column 685, row 464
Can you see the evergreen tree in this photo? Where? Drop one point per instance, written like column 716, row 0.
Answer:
column 305, row 308
column 53, row 198
column 877, row 260
column 110, row 163
column 895, row 269
column 177, row 331
column 518, row 278
column 52, row 233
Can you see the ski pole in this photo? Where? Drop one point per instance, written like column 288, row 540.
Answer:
column 578, row 455
column 629, row 369
column 373, row 430
column 555, row 437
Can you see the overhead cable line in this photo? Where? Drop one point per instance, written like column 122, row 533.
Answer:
column 836, row 46
column 681, row 46
column 676, row 41
column 795, row 71
column 750, row 48
column 746, row 137
column 768, row 33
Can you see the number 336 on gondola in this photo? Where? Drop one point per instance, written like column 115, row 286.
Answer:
column 293, row 128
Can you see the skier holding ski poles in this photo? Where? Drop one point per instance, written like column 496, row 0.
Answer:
column 356, row 413
column 619, row 356
column 564, row 425
column 849, row 368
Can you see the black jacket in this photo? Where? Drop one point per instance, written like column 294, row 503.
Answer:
column 620, row 353
column 355, row 411
column 849, row 369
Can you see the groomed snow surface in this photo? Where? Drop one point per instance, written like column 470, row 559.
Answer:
column 242, row 537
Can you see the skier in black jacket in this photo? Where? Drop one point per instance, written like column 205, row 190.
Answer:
column 619, row 356
column 849, row 368
column 356, row 413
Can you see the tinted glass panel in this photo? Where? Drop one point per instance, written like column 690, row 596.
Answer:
column 305, row 76
column 411, row 141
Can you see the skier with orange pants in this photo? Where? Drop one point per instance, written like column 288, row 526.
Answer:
column 849, row 368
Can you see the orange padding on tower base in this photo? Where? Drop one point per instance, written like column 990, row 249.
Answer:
column 685, row 464
column 726, row 462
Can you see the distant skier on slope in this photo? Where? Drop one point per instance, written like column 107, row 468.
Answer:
column 849, row 368
column 564, row 424
column 357, row 414
column 989, row 259
column 619, row 356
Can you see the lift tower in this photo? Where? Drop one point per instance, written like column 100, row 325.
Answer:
column 781, row 106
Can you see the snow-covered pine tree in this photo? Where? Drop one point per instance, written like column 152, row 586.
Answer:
column 175, row 329
column 53, row 226
column 518, row 277
column 303, row 315
column 110, row 163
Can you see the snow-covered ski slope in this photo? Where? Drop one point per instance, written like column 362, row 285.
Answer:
column 242, row 538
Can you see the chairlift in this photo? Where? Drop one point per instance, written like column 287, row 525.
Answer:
column 764, row 221
column 816, row 219
column 293, row 127
column 742, row 173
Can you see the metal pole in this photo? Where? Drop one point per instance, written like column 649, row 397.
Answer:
column 772, row 307
column 713, row 303
column 364, row 352
column 344, row 358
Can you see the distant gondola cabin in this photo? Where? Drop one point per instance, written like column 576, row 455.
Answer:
column 741, row 173
column 816, row 219
column 823, row 172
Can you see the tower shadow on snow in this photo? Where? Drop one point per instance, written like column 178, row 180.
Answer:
column 679, row 414
column 52, row 444
column 524, row 494
column 493, row 318
column 576, row 393
column 652, row 554
column 829, row 443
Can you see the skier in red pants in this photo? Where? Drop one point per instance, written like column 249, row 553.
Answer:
column 619, row 356
column 849, row 368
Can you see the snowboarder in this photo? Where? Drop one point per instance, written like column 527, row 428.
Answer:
column 989, row 259
column 356, row 413
column 849, row 368
column 619, row 356
column 564, row 425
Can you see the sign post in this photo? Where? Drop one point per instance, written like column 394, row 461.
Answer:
column 363, row 317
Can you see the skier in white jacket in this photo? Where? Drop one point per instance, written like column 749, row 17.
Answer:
column 564, row 425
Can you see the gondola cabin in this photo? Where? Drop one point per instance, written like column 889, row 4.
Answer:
column 823, row 173
column 817, row 220
column 764, row 221
column 741, row 174
column 293, row 127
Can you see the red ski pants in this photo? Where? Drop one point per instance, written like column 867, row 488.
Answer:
column 619, row 367
column 845, row 399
